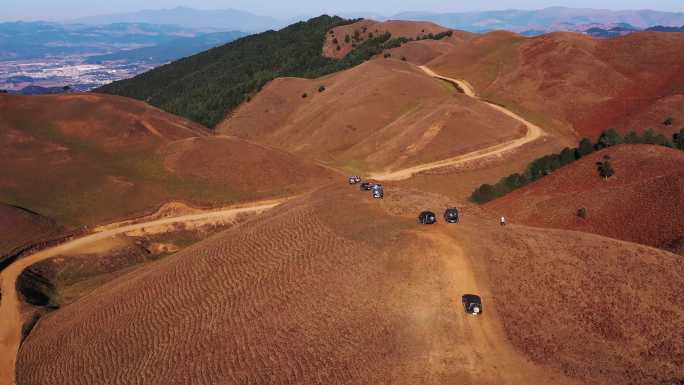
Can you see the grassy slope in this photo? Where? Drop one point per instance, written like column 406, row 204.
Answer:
column 641, row 203
column 87, row 159
column 564, row 80
column 19, row 227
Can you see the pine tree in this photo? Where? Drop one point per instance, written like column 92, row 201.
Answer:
column 632, row 137
column 605, row 168
column 585, row 148
column 609, row 138
column 679, row 139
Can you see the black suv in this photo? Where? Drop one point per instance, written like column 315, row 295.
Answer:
column 366, row 186
column 451, row 215
column 378, row 191
column 427, row 218
column 472, row 304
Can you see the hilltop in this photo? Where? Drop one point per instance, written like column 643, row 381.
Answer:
column 84, row 159
column 641, row 203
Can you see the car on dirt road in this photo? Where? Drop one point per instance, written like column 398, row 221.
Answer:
column 366, row 186
column 378, row 191
column 427, row 218
column 354, row 179
column 451, row 215
column 472, row 304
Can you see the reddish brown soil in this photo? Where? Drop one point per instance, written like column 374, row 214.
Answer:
column 116, row 121
column 642, row 203
column 19, row 227
column 250, row 170
column 88, row 159
column 383, row 114
column 599, row 310
column 366, row 28
column 592, row 84
column 337, row 288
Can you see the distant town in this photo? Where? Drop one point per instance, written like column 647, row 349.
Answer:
column 52, row 75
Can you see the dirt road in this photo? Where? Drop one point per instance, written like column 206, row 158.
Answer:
column 10, row 317
column 475, row 349
column 533, row 133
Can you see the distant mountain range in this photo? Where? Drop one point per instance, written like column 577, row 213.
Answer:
column 171, row 50
column 217, row 20
column 521, row 21
column 28, row 40
column 546, row 20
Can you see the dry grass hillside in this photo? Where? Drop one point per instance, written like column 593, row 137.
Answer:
column 347, row 37
column 86, row 159
column 599, row 310
column 382, row 115
column 316, row 292
column 20, row 227
column 642, row 203
column 566, row 78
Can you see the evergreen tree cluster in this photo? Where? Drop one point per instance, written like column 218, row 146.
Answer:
column 549, row 163
column 207, row 86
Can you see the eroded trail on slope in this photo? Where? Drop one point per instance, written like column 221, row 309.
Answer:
column 10, row 305
column 464, row 348
column 533, row 133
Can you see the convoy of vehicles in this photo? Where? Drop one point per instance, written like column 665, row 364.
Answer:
column 472, row 303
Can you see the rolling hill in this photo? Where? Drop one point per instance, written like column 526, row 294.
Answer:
column 384, row 114
column 208, row 85
column 84, row 159
column 332, row 286
column 641, row 203
column 310, row 294
column 574, row 80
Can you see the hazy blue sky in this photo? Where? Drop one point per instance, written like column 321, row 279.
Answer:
column 66, row 9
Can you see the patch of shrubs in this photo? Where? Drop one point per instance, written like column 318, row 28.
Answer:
column 549, row 163
column 437, row 36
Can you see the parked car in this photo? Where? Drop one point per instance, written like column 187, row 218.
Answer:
column 472, row 304
column 378, row 191
column 354, row 179
column 366, row 186
column 451, row 215
column 427, row 218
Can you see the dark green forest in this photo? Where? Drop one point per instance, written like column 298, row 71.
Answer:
column 207, row 86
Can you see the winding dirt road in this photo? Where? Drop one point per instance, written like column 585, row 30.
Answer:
column 533, row 133
column 488, row 334
column 10, row 305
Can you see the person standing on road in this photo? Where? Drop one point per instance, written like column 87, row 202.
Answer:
column 503, row 221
